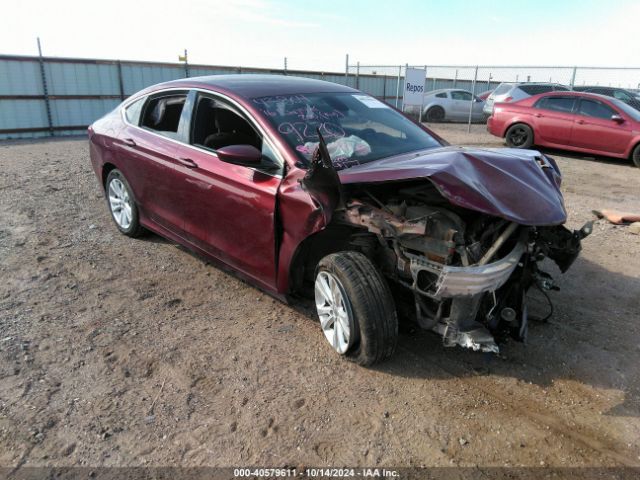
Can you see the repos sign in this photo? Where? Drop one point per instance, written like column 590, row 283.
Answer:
column 414, row 80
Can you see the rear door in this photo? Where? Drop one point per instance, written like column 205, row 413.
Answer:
column 595, row 130
column 228, row 209
column 148, row 148
column 554, row 119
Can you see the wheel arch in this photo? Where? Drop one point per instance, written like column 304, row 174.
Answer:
column 332, row 239
column 516, row 122
column 106, row 170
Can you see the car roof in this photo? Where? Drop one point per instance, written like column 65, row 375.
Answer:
column 519, row 84
column 258, row 85
column 444, row 90
column 572, row 93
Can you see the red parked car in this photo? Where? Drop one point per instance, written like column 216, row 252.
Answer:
column 311, row 188
column 582, row 122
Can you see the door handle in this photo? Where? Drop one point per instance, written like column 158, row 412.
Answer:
column 538, row 115
column 129, row 141
column 580, row 122
column 187, row 162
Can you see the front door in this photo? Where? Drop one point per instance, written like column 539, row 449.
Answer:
column 228, row 209
column 594, row 128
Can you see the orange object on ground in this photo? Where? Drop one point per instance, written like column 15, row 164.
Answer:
column 617, row 217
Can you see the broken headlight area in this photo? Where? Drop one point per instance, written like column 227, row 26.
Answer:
column 464, row 274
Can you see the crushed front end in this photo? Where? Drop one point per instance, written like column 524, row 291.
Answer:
column 464, row 274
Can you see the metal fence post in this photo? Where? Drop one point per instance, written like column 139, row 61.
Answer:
column 285, row 65
column 398, row 88
column 455, row 80
column 346, row 69
column 358, row 76
column 573, row 77
column 406, row 67
column 120, row 81
column 186, row 64
column 47, row 102
column 473, row 98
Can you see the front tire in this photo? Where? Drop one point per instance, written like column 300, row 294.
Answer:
column 355, row 307
column 519, row 136
column 635, row 156
column 122, row 204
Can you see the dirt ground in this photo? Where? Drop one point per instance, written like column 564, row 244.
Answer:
column 121, row 352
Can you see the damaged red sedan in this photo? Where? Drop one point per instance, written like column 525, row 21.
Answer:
column 309, row 188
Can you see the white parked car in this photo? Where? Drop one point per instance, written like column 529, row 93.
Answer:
column 512, row 92
column 452, row 105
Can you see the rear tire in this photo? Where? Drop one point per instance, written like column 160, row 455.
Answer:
column 371, row 321
column 519, row 136
column 635, row 156
column 122, row 204
column 435, row 114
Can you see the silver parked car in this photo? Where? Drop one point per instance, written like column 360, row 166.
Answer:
column 512, row 92
column 452, row 105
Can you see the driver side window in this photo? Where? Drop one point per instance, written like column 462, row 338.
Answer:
column 217, row 124
column 466, row 96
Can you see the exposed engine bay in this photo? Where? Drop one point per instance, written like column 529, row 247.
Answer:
column 468, row 272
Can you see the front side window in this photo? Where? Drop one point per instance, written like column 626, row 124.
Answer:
column 557, row 104
column 593, row 108
column 216, row 124
column 162, row 114
column 133, row 110
column 465, row 96
column 357, row 128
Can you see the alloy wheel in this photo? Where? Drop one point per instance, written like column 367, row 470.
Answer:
column 334, row 311
column 120, row 203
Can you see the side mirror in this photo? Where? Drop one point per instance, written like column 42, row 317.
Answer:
column 617, row 118
column 243, row 154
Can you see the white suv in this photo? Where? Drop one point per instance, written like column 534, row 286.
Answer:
column 511, row 92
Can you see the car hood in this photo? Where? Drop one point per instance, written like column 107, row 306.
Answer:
column 522, row 186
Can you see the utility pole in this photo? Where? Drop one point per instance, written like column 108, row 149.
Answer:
column 185, row 58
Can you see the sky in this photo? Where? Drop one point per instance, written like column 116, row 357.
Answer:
column 318, row 34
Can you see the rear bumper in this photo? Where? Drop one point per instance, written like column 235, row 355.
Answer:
column 491, row 126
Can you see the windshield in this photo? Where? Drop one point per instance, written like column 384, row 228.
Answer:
column 357, row 128
column 628, row 109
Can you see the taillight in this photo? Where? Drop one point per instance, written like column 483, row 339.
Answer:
column 508, row 99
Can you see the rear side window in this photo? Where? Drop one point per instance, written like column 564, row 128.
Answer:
column 442, row 95
column 620, row 95
column 593, row 108
column 536, row 89
column 132, row 112
column 162, row 114
column 502, row 89
column 557, row 104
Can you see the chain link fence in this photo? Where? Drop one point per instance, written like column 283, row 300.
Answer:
column 386, row 81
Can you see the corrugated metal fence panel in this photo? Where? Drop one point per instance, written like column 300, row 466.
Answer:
column 80, row 112
column 135, row 77
column 20, row 78
column 22, row 114
column 82, row 79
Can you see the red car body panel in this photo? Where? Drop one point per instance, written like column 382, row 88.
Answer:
column 255, row 222
column 569, row 131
